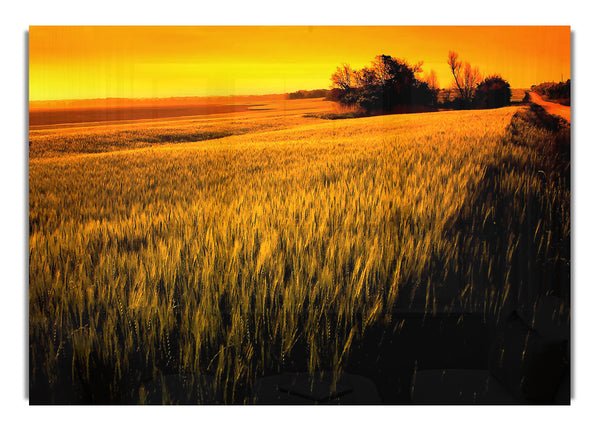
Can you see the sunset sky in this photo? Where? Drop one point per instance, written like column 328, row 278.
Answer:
column 141, row 62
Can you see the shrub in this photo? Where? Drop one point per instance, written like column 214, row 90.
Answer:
column 493, row 92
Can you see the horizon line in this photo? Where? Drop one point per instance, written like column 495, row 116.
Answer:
column 211, row 96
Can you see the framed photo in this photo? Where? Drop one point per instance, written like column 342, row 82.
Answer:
column 302, row 215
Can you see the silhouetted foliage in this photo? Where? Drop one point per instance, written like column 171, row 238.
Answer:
column 493, row 92
column 308, row 94
column 389, row 83
column 560, row 92
column 335, row 115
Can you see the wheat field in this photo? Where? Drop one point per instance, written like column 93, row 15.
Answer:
column 217, row 246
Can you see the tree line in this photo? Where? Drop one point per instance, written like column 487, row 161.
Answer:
column 388, row 83
column 392, row 84
column 560, row 92
column 308, row 94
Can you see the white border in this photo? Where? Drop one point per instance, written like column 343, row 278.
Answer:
column 16, row 18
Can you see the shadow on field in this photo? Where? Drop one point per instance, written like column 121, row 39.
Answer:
column 521, row 226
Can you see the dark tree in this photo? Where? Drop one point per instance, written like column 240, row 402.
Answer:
column 389, row 82
column 493, row 92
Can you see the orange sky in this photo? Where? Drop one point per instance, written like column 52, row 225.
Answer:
column 98, row 62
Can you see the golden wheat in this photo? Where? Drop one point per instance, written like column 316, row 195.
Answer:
column 220, row 257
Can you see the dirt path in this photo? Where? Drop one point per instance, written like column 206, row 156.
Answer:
column 551, row 108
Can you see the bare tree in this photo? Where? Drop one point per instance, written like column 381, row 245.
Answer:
column 432, row 80
column 471, row 78
column 455, row 67
column 417, row 68
column 466, row 77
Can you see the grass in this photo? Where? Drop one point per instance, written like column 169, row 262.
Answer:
column 225, row 258
column 336, row 116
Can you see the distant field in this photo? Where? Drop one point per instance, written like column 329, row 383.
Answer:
column 65, row 113
column 78, row 115
column 226, row 245
column 517, row 95
column 53, row 140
